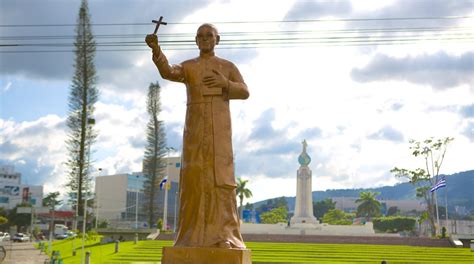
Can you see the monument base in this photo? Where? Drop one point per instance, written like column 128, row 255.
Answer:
column 303, row 220
column 197, row 255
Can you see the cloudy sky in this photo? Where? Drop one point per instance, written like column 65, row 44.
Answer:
column 356, row 79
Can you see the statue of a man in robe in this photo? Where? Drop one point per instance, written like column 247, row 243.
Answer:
column 208, row 206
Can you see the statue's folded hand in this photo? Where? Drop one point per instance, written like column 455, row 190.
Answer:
column 215, row 80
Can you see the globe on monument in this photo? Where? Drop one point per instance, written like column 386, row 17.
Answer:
column 304, row 159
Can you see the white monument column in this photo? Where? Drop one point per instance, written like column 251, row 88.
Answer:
column 304, row 198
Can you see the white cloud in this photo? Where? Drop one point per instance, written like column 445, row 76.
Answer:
column 295, row 93
column 7, row 87
column 36, row 148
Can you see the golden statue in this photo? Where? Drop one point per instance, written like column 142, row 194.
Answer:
column 208, row 206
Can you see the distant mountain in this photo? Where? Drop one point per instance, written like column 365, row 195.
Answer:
column 460, row 188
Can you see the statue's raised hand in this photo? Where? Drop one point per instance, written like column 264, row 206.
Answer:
column 152, row 41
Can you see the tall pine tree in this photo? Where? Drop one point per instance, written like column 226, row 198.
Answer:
column 83, row 95
column 153, row 163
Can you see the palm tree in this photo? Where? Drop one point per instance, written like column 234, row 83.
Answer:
column 242, row 192
column 369, row 206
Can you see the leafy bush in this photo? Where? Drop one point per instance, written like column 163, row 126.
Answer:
column 159, row 224
column 3, row 220
column 394, row 224
column 337, row 217
column 103, row 224
column 277, row 215
column 92, row 234
column 443, row 232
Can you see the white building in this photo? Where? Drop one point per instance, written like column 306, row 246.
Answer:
column 349, row 204
column 13, row 192
column 117, row 197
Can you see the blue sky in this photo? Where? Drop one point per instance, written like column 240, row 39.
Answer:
column 356, row 103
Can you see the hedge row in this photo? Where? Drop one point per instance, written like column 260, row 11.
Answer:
column 394, row 224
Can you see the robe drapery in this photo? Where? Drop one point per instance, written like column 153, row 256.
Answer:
column 208, row 207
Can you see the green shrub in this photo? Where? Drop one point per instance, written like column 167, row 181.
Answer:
column 443, row 232
column 337, row 217
column 276, row 215
column 103, row 224
column 159, row 224
column 92, row 234
column 394, row 224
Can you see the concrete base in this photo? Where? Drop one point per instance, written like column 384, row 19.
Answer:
column 303, row 220
column 153, row 236
column 195, row 255
column 309, row 229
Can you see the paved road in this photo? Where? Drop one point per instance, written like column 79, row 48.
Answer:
column 23, row 253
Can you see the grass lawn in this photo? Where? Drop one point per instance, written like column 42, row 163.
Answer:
column 266, row 252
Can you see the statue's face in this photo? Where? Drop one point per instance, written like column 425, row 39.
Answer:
column 206, row 39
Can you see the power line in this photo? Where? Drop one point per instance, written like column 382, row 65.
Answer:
column 273, row 45
column 255, row 21
column 245, row 33
column 282, row 39
column 254, row 39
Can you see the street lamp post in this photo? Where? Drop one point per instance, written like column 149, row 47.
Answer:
column 76, row 215
column 97, row 203
column 165, row 207
column 28, row 198
column 175, row 205
column 136, row 203
column 136, row 210
column 51, row 229
column 84, row 229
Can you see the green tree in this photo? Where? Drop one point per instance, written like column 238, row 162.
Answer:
column 433, row 152
column 20, row 220
column 369, row 205
column 392, row 211
column 103, row 224
column 153, row 162
column 337, row 217
column 248, row 206
column 3, row 217
column 322, row 207
column 273, row 203
column 83, row 95
column 242, row 191
column 3, row 220
column 51, row 200
column 3, row 212
column 276, row 215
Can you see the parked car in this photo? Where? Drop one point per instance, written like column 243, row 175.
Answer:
column 4, row 236
column 60, row 237
column 20, row 237
column 68, row 234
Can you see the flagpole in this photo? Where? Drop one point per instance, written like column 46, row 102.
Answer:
column 437, row 212
column 439, row 184
column 165, row 209
column 446, row 198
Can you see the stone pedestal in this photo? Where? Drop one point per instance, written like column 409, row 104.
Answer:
column 195, row 255
column 304, row 198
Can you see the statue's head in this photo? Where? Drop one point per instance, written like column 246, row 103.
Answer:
column 207, row 37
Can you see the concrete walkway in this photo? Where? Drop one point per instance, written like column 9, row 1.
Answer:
column 23, row 253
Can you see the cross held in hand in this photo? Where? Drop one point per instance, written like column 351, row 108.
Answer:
column 158, row 23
